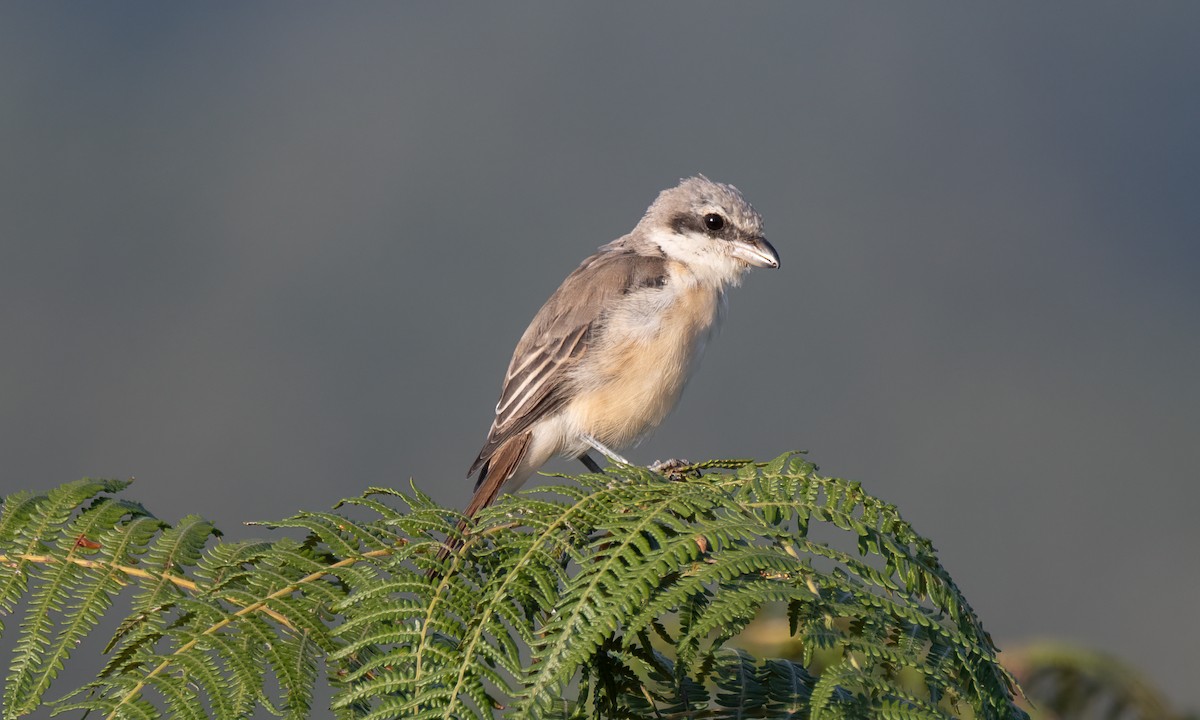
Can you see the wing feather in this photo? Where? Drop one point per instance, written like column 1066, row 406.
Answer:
column 538, row 381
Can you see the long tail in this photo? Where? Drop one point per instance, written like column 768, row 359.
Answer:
column 496, row 472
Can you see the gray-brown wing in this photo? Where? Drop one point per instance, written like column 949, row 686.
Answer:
column 538, row 379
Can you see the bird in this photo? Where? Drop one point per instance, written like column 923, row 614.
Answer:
column 605, row 359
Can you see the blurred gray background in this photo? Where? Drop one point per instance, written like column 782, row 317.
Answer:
column 263, row 256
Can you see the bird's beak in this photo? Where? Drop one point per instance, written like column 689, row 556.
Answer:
column 756, row 251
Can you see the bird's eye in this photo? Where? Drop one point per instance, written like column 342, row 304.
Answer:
column 714, row 222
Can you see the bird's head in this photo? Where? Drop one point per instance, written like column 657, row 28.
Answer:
column 709, row 227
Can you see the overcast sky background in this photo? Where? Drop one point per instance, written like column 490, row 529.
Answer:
column 261, row 257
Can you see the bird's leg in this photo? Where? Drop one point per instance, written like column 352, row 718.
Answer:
column 674, row 469
column 591, row 464
column 603, row 450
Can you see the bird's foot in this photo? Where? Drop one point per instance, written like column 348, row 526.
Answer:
column 675, row 469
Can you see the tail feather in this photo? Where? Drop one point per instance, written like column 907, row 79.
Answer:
column 496, row 471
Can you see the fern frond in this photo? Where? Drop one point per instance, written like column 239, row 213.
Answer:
column 67, row 595
column 631, row 587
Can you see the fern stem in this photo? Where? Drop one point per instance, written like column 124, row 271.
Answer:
column 135, row 572
column 433, row 603
column 84, row 562
column 253, row 607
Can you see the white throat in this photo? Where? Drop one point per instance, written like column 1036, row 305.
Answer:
column 705, row 258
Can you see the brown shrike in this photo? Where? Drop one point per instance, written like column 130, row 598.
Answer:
column 606, row 358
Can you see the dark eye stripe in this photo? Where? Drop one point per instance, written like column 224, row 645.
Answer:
column 688, row 222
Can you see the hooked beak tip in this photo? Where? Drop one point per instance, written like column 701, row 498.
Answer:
column 762, row 254
column 754, row 251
